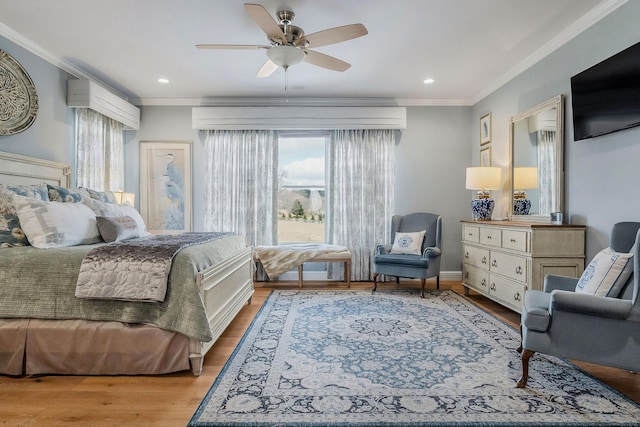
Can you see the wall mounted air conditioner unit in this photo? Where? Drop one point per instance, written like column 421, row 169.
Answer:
column 88, row 94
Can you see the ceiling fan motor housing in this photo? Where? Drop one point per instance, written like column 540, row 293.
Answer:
column 291, row 32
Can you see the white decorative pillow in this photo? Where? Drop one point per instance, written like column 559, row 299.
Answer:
column 408, row 243
column 114, row 210
column 54, row 225
column 606, row 273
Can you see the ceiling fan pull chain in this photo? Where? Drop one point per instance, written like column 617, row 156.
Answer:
column 286, row 79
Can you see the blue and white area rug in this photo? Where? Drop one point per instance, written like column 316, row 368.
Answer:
column 338, row 358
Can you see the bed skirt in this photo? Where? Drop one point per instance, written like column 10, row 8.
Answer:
column 81, row 347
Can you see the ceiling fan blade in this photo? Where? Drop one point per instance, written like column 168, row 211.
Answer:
column 231, row 46
column 325, row 61
column 265, row 21
column 333, row 35
column 267, row 69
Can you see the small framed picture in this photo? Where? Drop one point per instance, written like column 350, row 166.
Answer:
column 485, row 129
column 485, row 156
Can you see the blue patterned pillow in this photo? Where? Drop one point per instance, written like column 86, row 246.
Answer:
column 11, row 233
column 62, row 194
column 103, row 196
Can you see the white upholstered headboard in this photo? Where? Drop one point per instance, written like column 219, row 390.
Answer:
column 22, row 170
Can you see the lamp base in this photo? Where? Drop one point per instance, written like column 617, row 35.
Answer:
column 521, row 206
column 481, row 209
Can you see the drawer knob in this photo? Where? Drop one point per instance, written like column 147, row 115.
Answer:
column 513, row 240
column 494, row 263
column 493, row 286
column 470, row 234
column 518, row 270
column 489, row 237
column 516, row 296
column 484, row 259
column 466, row 255
column 483, row 282
column 466, row 274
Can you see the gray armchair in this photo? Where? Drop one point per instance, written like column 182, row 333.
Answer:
column 596, row 329
column 422, row 266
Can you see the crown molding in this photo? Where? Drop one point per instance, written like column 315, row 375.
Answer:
column 593, row 16
column 22, row 41
column 314, row 102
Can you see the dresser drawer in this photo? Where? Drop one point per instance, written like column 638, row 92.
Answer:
column 512, row 266
column 476, row 278
column 491, row 237
column 476, row 256
column 507, row 291
column 514, row 239
column 471, row 234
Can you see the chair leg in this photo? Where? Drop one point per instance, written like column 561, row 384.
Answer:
column 519, row 349
column 397, row 280
column 438, row 282
column 375, row 282
column 423, row 281
column 526, row 355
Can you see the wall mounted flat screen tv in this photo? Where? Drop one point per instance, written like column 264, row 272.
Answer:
column 606, row 97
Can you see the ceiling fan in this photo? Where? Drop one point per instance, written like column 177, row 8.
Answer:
column 288, row 43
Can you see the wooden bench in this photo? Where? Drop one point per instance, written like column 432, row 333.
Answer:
column 342, row 256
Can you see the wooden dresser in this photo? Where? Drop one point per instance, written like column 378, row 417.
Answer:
column 502, row 259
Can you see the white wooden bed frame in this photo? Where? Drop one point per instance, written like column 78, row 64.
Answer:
column 224, row 287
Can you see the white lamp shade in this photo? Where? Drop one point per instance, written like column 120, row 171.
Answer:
column 285, row 56
column 122, row 197
column 483, row 178
column 525, row 177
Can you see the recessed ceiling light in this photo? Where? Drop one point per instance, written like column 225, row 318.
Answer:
column 429, row 81
column 163, row 80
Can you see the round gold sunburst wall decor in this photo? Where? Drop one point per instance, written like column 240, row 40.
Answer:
column 18, row 97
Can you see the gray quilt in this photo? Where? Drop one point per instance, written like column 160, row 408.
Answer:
column 41, row 283
column 134, row 270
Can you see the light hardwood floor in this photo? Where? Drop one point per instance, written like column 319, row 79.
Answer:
column 171, row 400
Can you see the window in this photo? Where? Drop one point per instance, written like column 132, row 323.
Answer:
column 301, row 187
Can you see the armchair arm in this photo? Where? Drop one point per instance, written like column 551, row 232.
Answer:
column 382, row 249
column 590, row 305
column 431, row 252
column 561, row 283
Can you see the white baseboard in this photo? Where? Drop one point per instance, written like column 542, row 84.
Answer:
column 322, row 275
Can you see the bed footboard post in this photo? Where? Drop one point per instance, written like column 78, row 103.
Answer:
column 197, row 361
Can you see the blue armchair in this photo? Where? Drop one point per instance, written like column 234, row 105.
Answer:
column 422, row 266
column 597, row 329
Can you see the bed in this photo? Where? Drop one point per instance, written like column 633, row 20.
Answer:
column 45, row 329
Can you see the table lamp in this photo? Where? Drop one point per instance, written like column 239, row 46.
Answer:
column 122, row 197
column 523, row 178
column 483, row 179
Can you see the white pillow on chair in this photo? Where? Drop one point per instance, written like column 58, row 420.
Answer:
column 408, row 243
column 606, row 273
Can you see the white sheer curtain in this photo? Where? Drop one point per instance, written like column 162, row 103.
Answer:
column 240, row 184
column 546, row 170
column 360, row 194
column 99, row 151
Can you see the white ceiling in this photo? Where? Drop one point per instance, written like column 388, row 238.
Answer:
column 469, row 47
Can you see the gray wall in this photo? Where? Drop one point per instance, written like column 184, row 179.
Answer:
column 431, row 159
column 51, row 136
column 601, row 174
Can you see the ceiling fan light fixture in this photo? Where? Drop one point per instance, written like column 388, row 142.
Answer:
column 285, row 56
